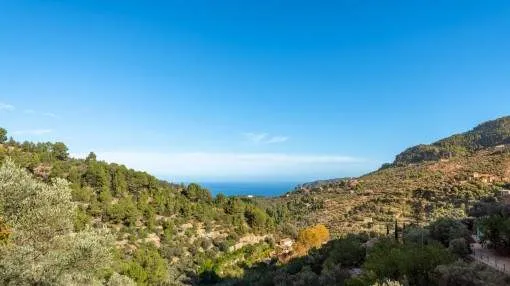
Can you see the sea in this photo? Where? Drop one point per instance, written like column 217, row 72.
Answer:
column 256, row 189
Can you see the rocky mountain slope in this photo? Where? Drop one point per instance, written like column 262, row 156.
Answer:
column 425, row 182
column 488, row 134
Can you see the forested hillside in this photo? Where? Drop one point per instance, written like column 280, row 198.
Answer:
column 489, row 134
column 163, row 232
column 38, row 245
column 68, row 221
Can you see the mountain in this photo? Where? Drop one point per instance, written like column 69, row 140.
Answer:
column 406, row 223
column 489, row 134
column 425, row 182
column 173, row 234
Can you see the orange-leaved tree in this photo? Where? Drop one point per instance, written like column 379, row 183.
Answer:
column 311, row 237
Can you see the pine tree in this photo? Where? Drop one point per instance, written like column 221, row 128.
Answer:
column 396, row 230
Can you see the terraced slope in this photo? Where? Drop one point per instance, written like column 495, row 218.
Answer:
column 418, row 187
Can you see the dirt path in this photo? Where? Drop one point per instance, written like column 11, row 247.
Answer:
column 490, row 258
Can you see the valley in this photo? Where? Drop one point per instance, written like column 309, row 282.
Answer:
column 167, row 233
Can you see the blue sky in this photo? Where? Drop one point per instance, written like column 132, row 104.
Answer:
column 251, row 90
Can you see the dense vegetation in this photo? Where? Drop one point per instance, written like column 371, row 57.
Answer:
column 163, row 232
column 434, row 255
column 38, row 245
column 488, row 134
column 68, row 221
column 493, row 223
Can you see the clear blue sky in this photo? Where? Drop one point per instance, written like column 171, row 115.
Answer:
column 251, row 90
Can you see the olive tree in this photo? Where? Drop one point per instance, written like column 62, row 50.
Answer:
column 42, row 248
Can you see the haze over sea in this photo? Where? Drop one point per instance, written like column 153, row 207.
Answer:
column 267, row 189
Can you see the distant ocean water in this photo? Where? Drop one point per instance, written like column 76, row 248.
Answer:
column 266, row 189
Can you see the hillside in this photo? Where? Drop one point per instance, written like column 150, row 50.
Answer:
column 174, row 234
column 489, row 134
column 425, row 182
column 164, row 232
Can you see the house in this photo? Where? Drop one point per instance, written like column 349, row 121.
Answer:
column 368, row 220
column 285, row 248
column 485, row 178
column 500, row 147
column 286, row 243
